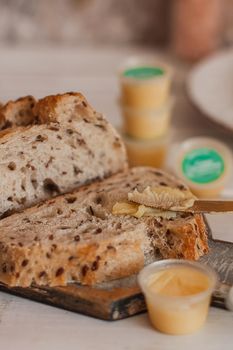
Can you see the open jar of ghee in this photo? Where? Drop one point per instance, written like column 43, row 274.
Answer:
column 177, row 294
column 205, row 164
column 145, row 83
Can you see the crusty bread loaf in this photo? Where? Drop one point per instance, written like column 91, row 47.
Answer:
column 18, row 113
column 72, row 145
column 75, row 237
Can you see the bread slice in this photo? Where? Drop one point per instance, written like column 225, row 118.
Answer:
column 75, row 237
column 18, row 113
column 71, row 146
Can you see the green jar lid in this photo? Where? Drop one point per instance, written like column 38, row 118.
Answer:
column 144, row 72
column 203, row 165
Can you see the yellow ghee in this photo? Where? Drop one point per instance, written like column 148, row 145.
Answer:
column 146, row 124
column 145, row 86
column 178, row 317
column 149, row 152
column 178, row 297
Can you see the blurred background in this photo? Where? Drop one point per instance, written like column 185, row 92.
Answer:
column 82, row 22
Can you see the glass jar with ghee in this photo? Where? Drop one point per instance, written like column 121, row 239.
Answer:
column 147, row 152
column 145, row 83
column 177, row 294
column 145, row 98
column 147, row 124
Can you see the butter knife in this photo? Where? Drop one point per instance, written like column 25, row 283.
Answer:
column 210, row 206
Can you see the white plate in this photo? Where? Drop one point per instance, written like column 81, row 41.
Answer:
column 210, row 87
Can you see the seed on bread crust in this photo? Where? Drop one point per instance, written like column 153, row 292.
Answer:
column 25, row 262
column 4, row 267
column 71, row 199
column 84, row 270
column 77, row 170
column 110, row 247
column 158, row 173
column 34, row 183
column 41, row 274
column 163, row 183
column 54, row 247
column 50, row 186
column 49, row 161
column 95, row 265
column 60, row 271
column 98, row 230
column 181, row 187
column 91, row 211
column 12, row 166
column 69, row 131
column 41, row 138
column 54, row 128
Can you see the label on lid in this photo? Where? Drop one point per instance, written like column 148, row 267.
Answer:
column 144, row 72
column 203, row 165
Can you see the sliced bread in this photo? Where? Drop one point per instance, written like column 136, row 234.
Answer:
column 72, row 145
column 76, row 237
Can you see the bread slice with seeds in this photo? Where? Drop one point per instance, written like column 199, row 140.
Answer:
column 76, row 237
column 72, row 145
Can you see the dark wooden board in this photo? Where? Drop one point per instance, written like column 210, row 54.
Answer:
column 122, row 298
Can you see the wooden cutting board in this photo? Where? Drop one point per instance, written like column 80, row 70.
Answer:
column 122, row 298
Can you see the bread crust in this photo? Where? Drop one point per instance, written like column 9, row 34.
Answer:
column 19, row 112
column 48, row 108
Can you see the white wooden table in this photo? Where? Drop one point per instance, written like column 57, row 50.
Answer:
column 29, row 325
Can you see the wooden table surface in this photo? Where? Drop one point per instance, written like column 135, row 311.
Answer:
column 29, row 325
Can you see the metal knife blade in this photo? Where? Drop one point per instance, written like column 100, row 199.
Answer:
column 210, row 206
